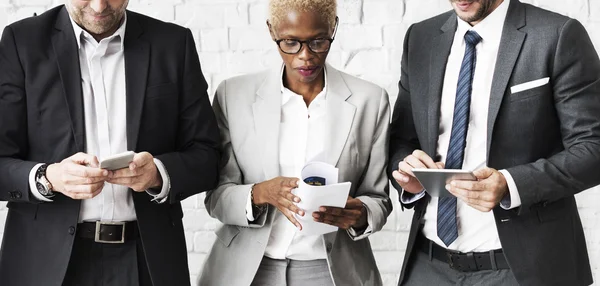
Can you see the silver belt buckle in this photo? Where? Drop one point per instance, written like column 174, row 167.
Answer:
column 97, row 233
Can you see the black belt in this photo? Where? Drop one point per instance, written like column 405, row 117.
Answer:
column 464, row 262
column 108, row 232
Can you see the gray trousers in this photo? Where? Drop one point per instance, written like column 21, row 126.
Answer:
column 274, row 272
column 423, row 271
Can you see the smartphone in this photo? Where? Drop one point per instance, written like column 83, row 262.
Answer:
column 435, row 180
column 118, row 161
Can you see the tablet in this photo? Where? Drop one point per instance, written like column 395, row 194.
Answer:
column 118, row 161
column 435, row 180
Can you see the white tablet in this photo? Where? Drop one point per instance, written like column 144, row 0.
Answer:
column 118, row 161
column 435, row 180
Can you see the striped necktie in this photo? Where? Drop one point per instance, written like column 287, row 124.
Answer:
column 447, row 229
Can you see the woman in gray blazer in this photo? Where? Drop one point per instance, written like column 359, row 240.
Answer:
column 272, row 123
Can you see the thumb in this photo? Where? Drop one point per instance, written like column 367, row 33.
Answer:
column 483, row 173
column 85, row 159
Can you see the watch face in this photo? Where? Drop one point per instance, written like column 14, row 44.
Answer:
column 41, row 189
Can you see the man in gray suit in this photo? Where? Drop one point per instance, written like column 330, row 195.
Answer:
column 512, row 92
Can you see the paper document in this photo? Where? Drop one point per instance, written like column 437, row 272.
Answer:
column 319, row 187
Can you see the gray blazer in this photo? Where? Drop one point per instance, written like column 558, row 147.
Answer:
column 547, row 137
column 248, row 110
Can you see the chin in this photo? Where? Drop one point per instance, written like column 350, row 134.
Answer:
column 309, row 79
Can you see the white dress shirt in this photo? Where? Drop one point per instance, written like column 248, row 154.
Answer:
column 476, row 230
column 103, row 84
column 302, row 137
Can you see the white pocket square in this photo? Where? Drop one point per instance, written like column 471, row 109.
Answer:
column 529, row 85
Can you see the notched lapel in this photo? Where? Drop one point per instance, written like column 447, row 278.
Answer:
column 267, row 118
column 340, row 115
column 437, row 69
column 511, row 43
column 67, row 55
column 137, row 62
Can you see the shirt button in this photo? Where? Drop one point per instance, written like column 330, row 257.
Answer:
column 18, row 195
column 71, row 230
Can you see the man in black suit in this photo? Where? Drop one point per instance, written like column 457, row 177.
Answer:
column 512, row 92
column 80, row 83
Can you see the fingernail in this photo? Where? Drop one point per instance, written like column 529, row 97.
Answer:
column 323, row 209
column 448, row 187
column 301, row 213
column 316, row 215
column 297, row 200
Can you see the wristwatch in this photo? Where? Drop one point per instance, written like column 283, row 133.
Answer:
column 42, row 184
column 257, row 210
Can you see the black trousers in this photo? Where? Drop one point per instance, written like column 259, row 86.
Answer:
column 100, row 264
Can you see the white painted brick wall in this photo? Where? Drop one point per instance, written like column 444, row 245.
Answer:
column 232, row 39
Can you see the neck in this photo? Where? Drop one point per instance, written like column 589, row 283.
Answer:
column 308, row 90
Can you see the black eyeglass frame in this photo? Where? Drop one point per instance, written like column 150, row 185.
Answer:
column 307, row 42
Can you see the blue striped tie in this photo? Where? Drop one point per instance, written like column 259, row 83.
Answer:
column 447, row 229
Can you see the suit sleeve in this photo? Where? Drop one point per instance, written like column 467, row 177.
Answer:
column 403, row 136
column 576, row 82
column 193, row 168
column 373, row 190
column 14, row 171
column 228, row 201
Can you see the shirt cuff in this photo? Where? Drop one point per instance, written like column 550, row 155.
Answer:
column 512, row 199
column 355, row 235
column 409, row 198
column 166, row 184
column 32, row 186
column 249, row 211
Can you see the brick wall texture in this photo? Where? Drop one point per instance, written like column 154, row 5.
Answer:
column 232, row 38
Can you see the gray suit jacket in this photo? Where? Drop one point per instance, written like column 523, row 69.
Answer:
column 248, row 110
column 548, row 137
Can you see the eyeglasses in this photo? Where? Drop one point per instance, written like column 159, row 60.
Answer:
column 319, row 45
column 291, row 46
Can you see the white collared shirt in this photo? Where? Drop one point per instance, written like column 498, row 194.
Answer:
column 301, row 140
column 302, row 137
column 103, row 82
column 476, row 230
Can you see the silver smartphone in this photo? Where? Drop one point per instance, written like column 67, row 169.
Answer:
column 118, row 161
column 435, row 180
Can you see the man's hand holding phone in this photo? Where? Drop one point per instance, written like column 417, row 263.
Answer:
column 78, row 177
column 140, row 174
column 404, row 175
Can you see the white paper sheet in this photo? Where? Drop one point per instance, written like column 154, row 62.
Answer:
column 332, row 194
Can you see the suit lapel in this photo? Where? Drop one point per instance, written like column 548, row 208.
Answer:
column 137, row 61
column 267, row 117
column 510, row 46
column 67, row 54
column 340, row 115
column 437, row 69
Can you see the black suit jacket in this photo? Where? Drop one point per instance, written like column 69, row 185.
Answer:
column 41, row 120
column 548, row 137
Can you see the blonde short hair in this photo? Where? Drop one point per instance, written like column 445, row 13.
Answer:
column 278, row 9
